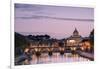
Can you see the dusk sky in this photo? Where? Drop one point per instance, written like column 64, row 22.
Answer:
column 56, row 21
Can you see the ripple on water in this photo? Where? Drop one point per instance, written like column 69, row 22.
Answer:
column 56, row 58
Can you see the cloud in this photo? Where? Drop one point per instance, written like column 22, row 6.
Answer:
column 41, row 12
column 28, row 7
column 57, row 18
column 23, row 5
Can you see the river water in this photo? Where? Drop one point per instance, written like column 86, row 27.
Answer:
column 57, row 58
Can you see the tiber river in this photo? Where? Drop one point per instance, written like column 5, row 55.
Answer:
column 57, row 58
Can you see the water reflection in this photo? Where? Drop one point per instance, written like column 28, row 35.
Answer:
column 56, row 58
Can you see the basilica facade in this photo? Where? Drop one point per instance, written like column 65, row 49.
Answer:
column 74, row 39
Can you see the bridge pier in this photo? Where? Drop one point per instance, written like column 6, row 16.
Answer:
column 50, row 53
column 38, row 53
column 50, row 50
column 62, row 50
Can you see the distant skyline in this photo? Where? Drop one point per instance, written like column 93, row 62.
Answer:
column 56, row 21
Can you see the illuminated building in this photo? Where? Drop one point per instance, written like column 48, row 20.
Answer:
column 74, row 39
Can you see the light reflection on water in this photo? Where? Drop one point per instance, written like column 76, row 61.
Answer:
column 56, row 58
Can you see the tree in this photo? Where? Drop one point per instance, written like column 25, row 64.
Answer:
column 91, row 36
